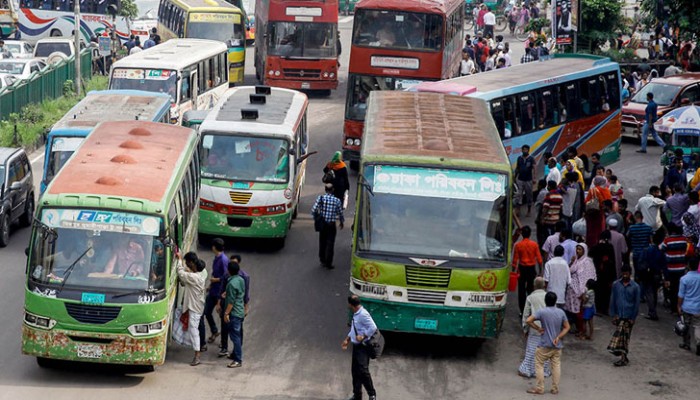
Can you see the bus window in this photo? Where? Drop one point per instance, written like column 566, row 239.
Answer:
column 568, row 102
column 526, row 112
column 498, row 118
column 613, row 88
column 398, row 30
column 590, row 97
column 547, row 115
column 504, row 117
column 185, row 91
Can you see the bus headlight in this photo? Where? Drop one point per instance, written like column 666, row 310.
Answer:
column 147, row 329
column 276, row 209
column 348, row 141
column 357, row 142
column 38, row 321
column 325, row 74
column 332, row 75
column 277, row 73
column 271, row 73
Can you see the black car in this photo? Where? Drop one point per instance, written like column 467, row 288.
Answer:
column 16, row 191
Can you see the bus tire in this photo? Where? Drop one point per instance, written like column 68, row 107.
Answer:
column 278, row 243
column 56, row 33
column 355, row 165
column 43, row 362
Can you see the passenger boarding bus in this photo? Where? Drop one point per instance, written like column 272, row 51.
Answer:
column 101, row 280
column 432, row 236
column 570, row 100
column 39, row 19
column 397, row 44
column 98, row 106
column 254, row 148
column 299, row 44
column 207, row 19
column 193, row 72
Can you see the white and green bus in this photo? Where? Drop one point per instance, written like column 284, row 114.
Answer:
column 253, row 150
column 100, row 281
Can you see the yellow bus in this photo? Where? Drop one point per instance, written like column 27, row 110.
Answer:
column 207, row 19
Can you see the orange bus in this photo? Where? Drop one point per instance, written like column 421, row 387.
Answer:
column 395, row 45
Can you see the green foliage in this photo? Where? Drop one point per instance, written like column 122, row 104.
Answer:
column 682, row 13
column 68, row 87
column 36, row 119
column 537, row 25
column 620, row 56
column 129, row 9
column 600, row 19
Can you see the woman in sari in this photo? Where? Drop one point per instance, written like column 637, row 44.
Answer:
column 582, row 269
column 595, row 217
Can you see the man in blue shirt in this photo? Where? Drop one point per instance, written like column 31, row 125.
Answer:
column 624, row 307
column 650, row 116
column 216, row 285
column 554, row 327
column 362, row 328
column 330, row 208
column 689, row 307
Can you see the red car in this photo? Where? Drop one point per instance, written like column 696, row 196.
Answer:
column 669, row 93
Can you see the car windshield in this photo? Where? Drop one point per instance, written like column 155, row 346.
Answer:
column 362, row 85
column 61, row 150
column 11, row 67
column 244, row 158
column 686, row 140
column 215, row 26
column 14, row 48
column 302, row 39
column 446, row 214
column 398, row 30
column 149, row 80
column 97, row 251
column 663, row 93
column 45, row 49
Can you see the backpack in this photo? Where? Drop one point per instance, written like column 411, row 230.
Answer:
column 328, row 176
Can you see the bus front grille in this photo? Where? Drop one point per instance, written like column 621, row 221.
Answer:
column 90, row 314
column 302, row 73
column 240, row 197
column 428, row 276
column 426, row 296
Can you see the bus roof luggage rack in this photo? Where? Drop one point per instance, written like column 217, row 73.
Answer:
column 257, row 98
column 249, row 113
column 263, row 89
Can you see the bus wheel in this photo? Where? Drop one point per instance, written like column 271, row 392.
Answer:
column 278, row 243
column 56, row 33
column 355, row 165
column 44, row 362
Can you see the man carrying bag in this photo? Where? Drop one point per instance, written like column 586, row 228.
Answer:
column 367, row 343
column 326, row 210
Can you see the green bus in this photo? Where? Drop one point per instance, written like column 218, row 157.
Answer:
column 101, row 280
column 432, row 232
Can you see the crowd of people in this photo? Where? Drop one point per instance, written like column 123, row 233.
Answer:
column 596, row 255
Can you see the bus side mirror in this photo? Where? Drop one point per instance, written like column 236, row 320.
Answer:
column 685, row 101
column 292, row 152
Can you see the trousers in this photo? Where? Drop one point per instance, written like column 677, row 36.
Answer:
column 326, row 243
column 235, row 328
column 693, row 323
column 360, row 372
column 526, row 284
column 194, row 329
column 645, row 134
column 542, row 355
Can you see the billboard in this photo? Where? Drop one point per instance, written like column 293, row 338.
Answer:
column 565, row 20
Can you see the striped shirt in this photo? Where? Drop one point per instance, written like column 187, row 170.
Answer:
column 551, row 207
column 675, row 247
column 639, row 235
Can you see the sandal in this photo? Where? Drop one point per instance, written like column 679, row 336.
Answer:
column 621, row 363
column 535, row 391
column 213, row 337
column 195, row 362
column 234, row 364
column 554, row 391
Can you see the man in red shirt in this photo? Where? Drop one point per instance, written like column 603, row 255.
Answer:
column 526, row 258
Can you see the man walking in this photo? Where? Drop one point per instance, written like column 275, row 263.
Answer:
column 193, row 276
column 216, row 286
column 650, row 116
column 330, row 209
column 362, row 328
column 689, row 307
column 554, row 327
column 524, row 175
column 557, row 275
column 534, row 303
column 223, row 350
column 235, row 312
column 489, row 22
column 650, row 206
column 624, row 307
column 526, row 259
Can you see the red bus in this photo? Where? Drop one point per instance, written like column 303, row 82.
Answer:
column 397, row 44
column 297, row 46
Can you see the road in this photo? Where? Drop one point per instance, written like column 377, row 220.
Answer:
column 298, row 319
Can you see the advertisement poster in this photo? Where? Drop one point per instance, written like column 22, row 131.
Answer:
column 565, row 20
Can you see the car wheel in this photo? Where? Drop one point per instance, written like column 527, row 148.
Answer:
column 56, row 33
column 28, row 216
column 4, row 230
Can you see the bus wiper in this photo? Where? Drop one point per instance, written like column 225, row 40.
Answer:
column 70, row 268
column 365, row 184
column 133, row 292
column 46, row 231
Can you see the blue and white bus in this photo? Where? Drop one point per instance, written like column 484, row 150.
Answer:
column 98, row 106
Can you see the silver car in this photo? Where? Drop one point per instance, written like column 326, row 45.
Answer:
column 19, row 48
column 21, row 68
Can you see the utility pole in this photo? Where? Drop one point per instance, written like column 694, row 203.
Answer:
column 76, row 38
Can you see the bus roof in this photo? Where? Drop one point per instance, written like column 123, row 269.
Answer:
column 418, row 6
column 431, row 125
column 133, row 159
column 114, row 105
column 208, row 5
column 173, row 54
column 522, row 74
column 281, row 108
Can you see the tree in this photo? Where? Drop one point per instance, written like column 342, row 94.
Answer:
column 129, row 9
column 685, row 14
column 600, row 19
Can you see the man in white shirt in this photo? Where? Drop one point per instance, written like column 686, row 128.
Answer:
column 489, row 22
column 552, row 240
column 467, row 66
column 554, row 174
column 557, row 275
column 650, row 207
column 506, row 55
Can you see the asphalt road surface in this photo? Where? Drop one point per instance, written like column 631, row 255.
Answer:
column 298, row 319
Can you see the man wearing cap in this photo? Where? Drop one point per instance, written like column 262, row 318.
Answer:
column 689, row 307
column 330, row 209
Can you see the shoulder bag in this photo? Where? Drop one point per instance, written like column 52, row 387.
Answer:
column 318, row 216
column 593, row 204
column 374, row 345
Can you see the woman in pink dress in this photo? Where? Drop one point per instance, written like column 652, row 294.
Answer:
column 582, row 269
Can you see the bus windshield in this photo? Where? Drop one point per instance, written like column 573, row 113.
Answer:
column 433, row 213
column 149, row 80
column 61, row 150
column 99, row 251
column 244, row 158
column 663, row 93
column 362, row 85
column 398, row 30
column 215, row 26
column 303, row 39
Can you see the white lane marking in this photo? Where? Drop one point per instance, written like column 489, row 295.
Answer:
column 37, row 158
column 346, row 19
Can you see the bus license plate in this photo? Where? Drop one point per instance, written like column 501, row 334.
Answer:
column 426, row 324
column 305, row 85
column 89, row 351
